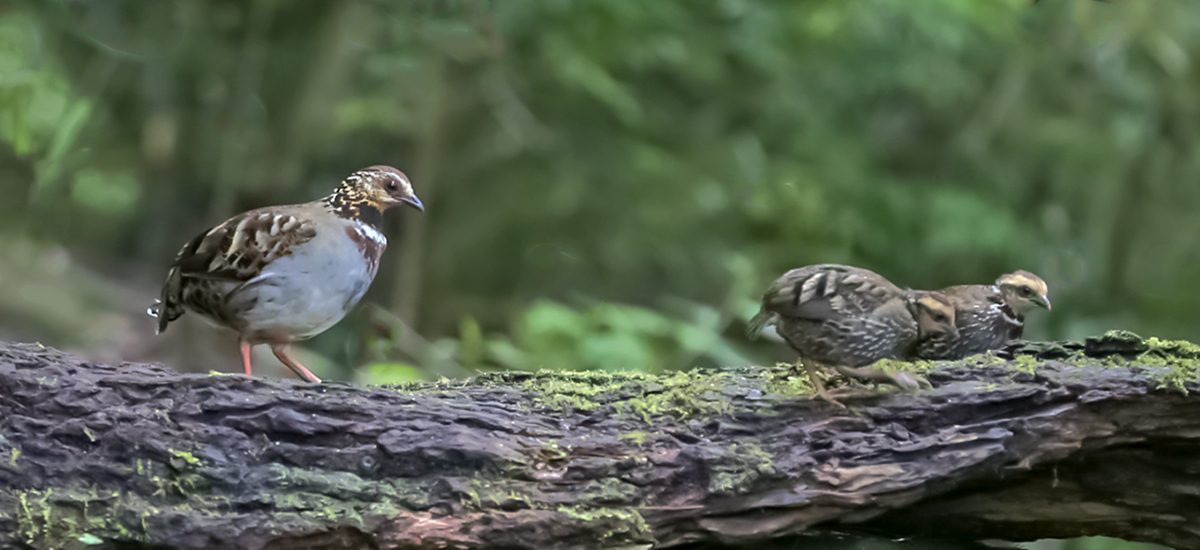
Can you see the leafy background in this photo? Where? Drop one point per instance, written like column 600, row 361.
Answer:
column 610, row 185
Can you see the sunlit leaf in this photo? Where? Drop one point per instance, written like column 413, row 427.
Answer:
column 393, row 373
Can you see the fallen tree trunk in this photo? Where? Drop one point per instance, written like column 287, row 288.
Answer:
column 1062, row 440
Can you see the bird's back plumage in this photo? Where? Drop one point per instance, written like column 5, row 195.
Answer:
column 838, row 314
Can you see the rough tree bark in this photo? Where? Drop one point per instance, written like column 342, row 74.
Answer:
column 1061, row 440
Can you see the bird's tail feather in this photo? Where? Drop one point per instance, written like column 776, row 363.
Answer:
column 167, row 308
column 758, row 323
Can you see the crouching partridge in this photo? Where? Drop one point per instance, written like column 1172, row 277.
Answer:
column 280, row 274
column 849, row 318
column 988, row 316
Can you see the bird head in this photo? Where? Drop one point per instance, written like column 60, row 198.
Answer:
column 368, row 192
column 934, row 313
column 1023, row 291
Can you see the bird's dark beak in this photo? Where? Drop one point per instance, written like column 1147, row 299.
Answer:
column 1043, row 301
column 413, row 201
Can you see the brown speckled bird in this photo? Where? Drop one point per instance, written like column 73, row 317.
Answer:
column 988, row 316
column 280, row 274
column 848, row 318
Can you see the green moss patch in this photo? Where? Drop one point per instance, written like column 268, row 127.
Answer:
column 1175, row 362
column 619, row 523
column 740, row 469
column 1180, row 358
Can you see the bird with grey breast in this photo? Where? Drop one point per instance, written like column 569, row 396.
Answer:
column 849, row 318
column 988, row 317
column 281, row 274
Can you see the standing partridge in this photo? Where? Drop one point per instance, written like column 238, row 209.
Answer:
column 987, row 316
column 849, row 318
column 280, row 274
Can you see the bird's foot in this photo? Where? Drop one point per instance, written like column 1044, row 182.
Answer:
column 814, row 377
column 903, row 380
column 911, row 381
column 829, row 398
column 281, row 353
column 245, row 347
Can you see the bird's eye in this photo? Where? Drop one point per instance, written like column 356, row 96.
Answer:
column 1026, row 291
column 392, row 185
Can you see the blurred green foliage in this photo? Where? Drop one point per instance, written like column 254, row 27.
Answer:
column 611, row 184
column 603, row 336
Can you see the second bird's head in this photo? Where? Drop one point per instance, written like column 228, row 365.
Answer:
column 1023, row 291
column 934, row 313
column 373, row 190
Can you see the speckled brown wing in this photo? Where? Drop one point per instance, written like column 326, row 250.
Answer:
column 839, row 315
column 822, row 292
column 235, row 251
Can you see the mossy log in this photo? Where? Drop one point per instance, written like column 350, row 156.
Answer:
column 1058, row 440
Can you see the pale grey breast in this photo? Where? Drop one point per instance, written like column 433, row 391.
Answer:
column 299, row 296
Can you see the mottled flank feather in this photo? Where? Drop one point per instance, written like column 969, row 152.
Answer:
column 237, row 250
